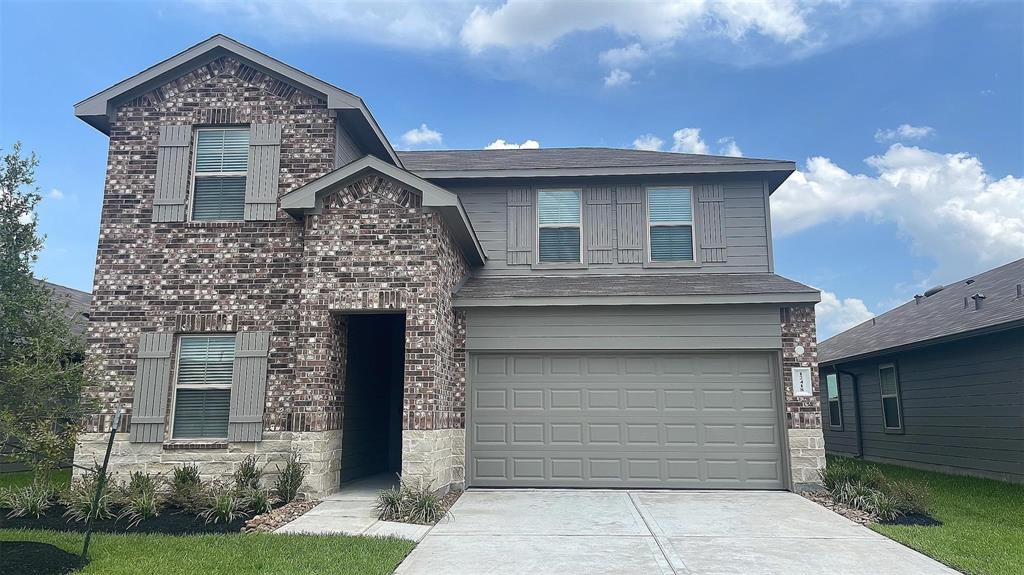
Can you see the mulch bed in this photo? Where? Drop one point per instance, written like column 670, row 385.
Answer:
column 171, row 521
column 32, row 558
column 450, row 498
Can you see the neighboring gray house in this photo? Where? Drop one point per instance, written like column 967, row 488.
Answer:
column 937, row 383
column 273, row 276
column 76, row 302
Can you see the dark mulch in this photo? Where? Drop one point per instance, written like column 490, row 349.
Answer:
column 171, row 521
column 918, row 519
column 33, row 558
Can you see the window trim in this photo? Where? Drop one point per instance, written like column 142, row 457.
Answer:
column 898, row 396
column 649, row 262
column 175, row 386
column 193, row 174
column 580, row 263
column 839, row 400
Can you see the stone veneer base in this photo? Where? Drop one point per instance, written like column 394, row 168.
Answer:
column 435, row 457
column 806, row 457
column 319, row 450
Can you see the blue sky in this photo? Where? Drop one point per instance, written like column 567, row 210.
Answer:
column 906, row 119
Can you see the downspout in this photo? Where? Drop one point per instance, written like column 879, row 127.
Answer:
column 856, row 410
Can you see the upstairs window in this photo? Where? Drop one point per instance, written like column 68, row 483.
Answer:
column 835, row 404
column 892, row 415
column 202, row 395
column 221, row 164
column 670, row 224
column 558, row 216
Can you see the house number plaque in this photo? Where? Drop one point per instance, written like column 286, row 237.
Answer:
column 802, row 382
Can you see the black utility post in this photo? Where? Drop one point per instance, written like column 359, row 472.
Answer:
column 101, row 482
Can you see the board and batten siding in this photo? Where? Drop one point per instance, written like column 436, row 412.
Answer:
column 613, row 227
column 963, row 407
column 624, row 328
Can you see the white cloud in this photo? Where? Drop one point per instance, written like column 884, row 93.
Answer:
column 55, row 194
column 500, row 144
column 625, row 57
column 903, row 132
column 688, row 141
column 729, row 147
column 422, row 136
column 948, row 207
column 836, row 315
column 648, row 142
column 617, row 77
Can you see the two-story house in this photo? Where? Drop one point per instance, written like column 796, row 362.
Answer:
column 272, row 276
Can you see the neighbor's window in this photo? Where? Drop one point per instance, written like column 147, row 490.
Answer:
column 558, row 218
column 891, row 407
column 835, row 405
column 670, row 221
column 222, row 159
column 203, row 388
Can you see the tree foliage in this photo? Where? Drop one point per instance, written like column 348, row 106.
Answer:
column 42, row 366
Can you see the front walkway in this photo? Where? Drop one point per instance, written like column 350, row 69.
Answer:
column 563, row 532
column 350, row 512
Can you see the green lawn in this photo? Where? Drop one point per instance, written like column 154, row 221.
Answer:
column 983, row 522
column 236, row 554
column 20, row 478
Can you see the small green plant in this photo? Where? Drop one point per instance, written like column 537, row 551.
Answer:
column 257, row 501
column 289, row 479
column 406, row 503
column 224, row 504
column 33, row 500
column 79, row 498
column 140, row 499
column 908, row 496
column 865, row 487
column 186, row 489
column 248, row 474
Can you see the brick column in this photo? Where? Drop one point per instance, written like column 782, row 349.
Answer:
column 803, row 414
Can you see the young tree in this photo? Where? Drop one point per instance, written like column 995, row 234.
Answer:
column 42, row 365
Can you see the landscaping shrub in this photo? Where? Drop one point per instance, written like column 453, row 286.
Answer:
column 866, row 488
column 289, row 479
column 78, row 499
column 248, row 474
column 31, row 500
column 224, row 504
column 410, row 504
column 187, row 490
column 257, row 501
column 140, row 498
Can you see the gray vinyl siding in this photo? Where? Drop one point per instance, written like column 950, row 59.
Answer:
column 740, row 244
column 624, row 328
column 963, row 407
column 345, row 148
column 842, row 441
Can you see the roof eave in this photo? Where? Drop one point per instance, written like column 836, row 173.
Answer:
column 987, row 330
column 778, row 168
column 306, row 199
column 590, row 300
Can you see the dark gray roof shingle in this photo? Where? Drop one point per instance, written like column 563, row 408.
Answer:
column 552, row 158
column 496, row 287
column 78, row 304
column 938, row 316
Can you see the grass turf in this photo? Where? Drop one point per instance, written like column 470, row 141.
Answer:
column 982, row 531
column 236, row 554
column 61, row 477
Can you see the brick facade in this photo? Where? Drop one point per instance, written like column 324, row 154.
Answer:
column 803, row 414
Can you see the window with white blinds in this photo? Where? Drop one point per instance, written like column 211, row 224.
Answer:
column 835, row 406
column 559, row 213
column 892, row 416
column 221, row 164
column 202, row 393
column 670, row 224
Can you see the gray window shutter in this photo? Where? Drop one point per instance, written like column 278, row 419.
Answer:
column 172, row 172
column 711, row 222
column 630, row 222
column 264, row 169
column 152, row 380
column 248, row 386
column 519, row 246
column 599, row 212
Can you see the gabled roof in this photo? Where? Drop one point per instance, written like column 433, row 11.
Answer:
column 444, row 164
column 635, row 289
column 942, row 316
column 98, row 109
column 307, row 198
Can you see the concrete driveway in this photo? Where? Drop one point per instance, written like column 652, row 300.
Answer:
column 566, row 532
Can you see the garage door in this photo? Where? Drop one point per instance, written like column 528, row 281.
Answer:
column 702, row 420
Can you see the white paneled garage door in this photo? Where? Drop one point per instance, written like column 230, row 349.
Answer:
column 694, row 420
